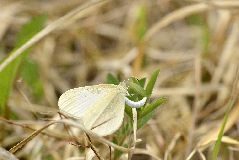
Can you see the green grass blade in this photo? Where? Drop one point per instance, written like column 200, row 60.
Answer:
column 143, row 120
column 30, row 75
column 217, row 145
column 147, row 113
column 30, row 29
column 151, row 107
column 151, row 83
column 8, row 74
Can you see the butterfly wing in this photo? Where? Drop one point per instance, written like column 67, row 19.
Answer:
column 90, row 103
column 112, row 118
column 75, row 102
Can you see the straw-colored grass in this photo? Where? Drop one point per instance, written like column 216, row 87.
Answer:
column 193, row 43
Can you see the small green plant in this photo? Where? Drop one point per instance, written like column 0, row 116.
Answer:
column 137, row 89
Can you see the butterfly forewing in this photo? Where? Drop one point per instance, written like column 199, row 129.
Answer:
column 75, row 102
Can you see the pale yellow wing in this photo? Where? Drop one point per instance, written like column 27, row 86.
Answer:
column 112, row 117
column 100, row 107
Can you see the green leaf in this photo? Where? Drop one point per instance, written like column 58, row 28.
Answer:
column 151, row 83
column 30, row 75
column 151, row 107
column 8, row 74
column 137, row 89
column 111, row 79
column 142, row 121
column 147, row 113
column 30, row 29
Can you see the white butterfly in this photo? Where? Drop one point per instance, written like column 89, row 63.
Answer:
column 100, row 107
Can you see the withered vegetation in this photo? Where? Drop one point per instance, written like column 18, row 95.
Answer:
column 195, row 44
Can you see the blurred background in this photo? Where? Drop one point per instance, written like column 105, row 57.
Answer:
column 194, row 43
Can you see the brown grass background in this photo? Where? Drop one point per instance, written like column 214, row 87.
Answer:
column 194, row 43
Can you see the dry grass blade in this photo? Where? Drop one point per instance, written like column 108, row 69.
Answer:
column 6, row 14
column 230, row 105
column 184, row 12
column 143, row 151
column 50, row 134
column 93, row 148
column 84, row 43
column 174, row 16
column 227, row 53
column 230, row 118
column 71, row 123
column 225, row 139
column 93, row 135
column 186, row 90
column 73, row 15
column 197, row 106
column 191, row 154
column 202, row 155
column 171, row 146
column 28, row 139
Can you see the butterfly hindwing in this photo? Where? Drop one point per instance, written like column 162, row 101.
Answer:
column 106, row 125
